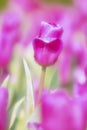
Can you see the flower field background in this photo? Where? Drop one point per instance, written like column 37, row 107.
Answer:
column 43, row 64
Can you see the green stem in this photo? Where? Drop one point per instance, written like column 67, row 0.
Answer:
column 41, row 84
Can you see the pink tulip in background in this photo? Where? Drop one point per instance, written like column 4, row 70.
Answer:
column 9, row 35
column 3, row 108
column 56, row 111
column 11, row 26
column 28, row 5
column 61, row 112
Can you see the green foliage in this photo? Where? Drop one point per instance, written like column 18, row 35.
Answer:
column 3, row 3
column 15, row 113
column 54, row 80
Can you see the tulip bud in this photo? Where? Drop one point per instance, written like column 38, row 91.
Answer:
column 48, row 45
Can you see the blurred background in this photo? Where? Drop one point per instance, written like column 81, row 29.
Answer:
column 26, row 16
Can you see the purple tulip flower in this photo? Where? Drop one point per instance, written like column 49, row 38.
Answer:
column 48, row 45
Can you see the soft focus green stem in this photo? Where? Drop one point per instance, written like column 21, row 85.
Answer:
column 41, row 84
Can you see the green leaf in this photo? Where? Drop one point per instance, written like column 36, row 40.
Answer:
column 54, row 80
column 3, row 4
column 29, row 93
column 6, row 81
column 15, row 113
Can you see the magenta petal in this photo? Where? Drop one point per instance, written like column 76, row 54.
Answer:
column 3, row 97
column 55, row 45
column 80, row 89
column 6, row 47
column 28, row 5
column 11, row 26
column 11, row 21
column 45, row 27
column 78, row 115
column 47, row 53
column 35, row 126
column 48, row 45
column 55, row 111
column 50, row 30
column 38, row 43
column 56, row 33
